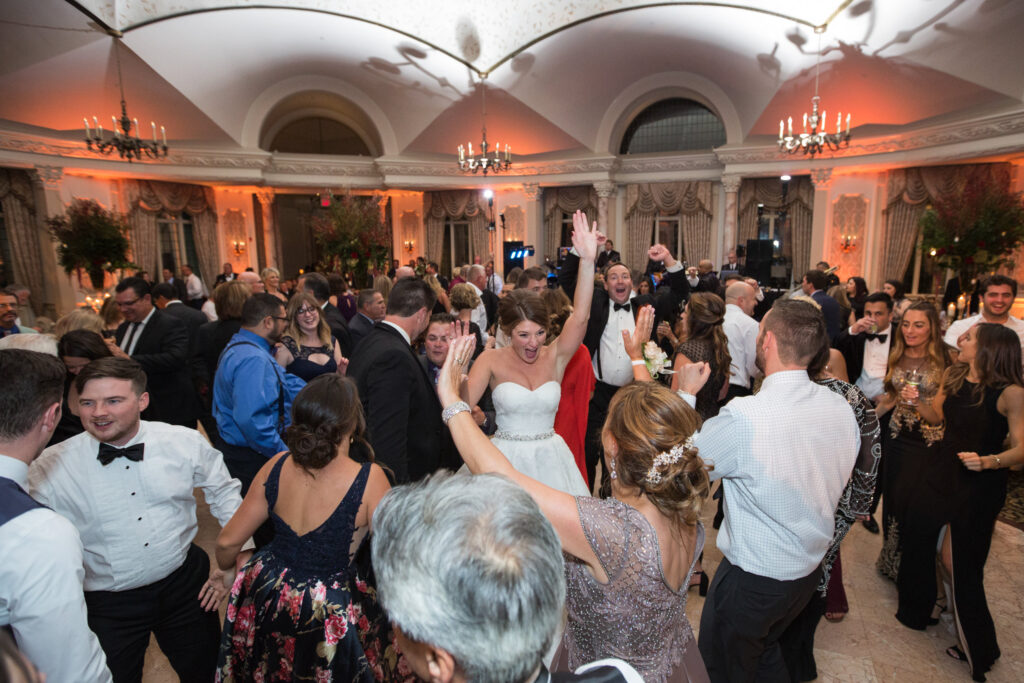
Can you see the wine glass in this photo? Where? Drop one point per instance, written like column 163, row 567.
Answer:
column 912, row 378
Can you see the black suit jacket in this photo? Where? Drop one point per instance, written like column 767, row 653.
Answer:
column 213, row 338
column 666, row 301
column 490, row 300
column 852, row 348
column 193, row 320
column 606, row 257
column 358, row 327
column 403, row 413
column 223, row 278
column 179, row 288
column 339, row 328
column 829, row 309
column 162, row 351
column 602, row 674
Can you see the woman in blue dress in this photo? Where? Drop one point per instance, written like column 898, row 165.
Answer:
column 304, row 606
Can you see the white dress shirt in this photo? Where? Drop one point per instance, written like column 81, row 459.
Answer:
column 784, row 455
column 136, row 519
column 209, row 309
column 876, row 363
column 194, row 287
column 612, row 364
column 495, row 284
column 479, row 315
column 41, row 591
column 960, row 326
column 133, row 332
column 741, row 332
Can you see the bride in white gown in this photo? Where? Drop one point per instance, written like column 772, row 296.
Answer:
column 525, row 376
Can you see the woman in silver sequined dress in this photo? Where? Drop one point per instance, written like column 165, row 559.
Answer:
column 628, row 557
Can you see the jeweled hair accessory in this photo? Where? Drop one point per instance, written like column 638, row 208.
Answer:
column 663, row 459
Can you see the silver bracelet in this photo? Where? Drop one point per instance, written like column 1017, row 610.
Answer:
column 999, row 463
column 454, row 409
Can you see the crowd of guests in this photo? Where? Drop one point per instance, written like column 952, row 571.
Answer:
column 403, row 473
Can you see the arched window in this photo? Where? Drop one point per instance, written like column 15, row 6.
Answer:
column 319, row 135
column 673, row 125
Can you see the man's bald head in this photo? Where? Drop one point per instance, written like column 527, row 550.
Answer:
column 403, row 273
column 253, row 280
column 705, row 266
column 741, row 294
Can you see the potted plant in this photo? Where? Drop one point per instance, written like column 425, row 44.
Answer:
column 351, row 237
column 976, row 229
column 91, row 239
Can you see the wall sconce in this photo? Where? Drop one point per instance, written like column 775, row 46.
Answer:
column 409, row 245
column 238, row 246
column 847, row 243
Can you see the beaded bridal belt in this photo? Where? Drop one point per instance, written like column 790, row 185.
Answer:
column 512, row 436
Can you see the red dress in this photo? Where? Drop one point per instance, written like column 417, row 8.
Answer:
column 571, row 418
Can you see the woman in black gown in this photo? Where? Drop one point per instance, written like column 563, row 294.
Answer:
column 308, row 349
column 981, row 400
column 909, row 444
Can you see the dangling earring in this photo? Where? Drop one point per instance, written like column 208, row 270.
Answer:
column 611, row 470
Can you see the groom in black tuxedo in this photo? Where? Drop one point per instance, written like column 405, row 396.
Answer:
column 403, row 413
column 613, row 309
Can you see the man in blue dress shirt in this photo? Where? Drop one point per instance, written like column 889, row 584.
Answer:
column 252, row 394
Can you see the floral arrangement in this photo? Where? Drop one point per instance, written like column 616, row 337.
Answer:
column 655, row 359
column 351, row 237
column 91, row 239
column 976, row 229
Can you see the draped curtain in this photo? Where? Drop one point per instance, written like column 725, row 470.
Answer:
column 798, row 204
column 19, row 207
column 439, row 207
column 145, row 200
column 909, row 191
column 692, row 201
column 562, row 200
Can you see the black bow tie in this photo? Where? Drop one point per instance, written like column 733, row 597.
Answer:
column 621, row 307
column 108, row 453
column 879, row 337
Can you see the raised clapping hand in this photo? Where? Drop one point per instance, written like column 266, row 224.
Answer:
column 453, row 372
column 971, row 461
column 585, row 238
column 634, row 343
column 659, row 252
column 692, row 377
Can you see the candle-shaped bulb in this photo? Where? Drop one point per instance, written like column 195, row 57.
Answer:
column 135, row 123
column 508, row 154
column 805, row 122
column 113, row 125
column 86, row 122
column 470, row 149
column 847, row 124
column 790, row 125
column 153, row 126
column 782, row 128
column 163, row 134
column 824, row 121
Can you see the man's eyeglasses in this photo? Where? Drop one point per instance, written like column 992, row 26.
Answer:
column 126, row 304
column 280, row 317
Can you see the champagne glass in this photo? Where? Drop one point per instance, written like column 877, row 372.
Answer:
column 912, row 378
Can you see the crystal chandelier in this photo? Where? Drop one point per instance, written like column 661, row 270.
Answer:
column 500, row 160
column 816, row 138
column 128, row 145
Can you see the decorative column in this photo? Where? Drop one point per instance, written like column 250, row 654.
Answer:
column 731, row 185
column 272, row 252
column 534, row 223
column 605, row 189
column 822, row 179
column 59, row 297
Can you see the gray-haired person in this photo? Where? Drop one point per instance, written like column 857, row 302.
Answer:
column 471, row 575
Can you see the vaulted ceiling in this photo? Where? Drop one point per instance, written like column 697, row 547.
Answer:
column 561, row 76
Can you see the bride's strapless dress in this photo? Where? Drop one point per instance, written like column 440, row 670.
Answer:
column 526, row 435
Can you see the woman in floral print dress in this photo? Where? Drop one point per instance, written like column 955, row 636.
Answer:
column 304, row 607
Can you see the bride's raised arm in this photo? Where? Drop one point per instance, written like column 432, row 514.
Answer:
column 585, row 238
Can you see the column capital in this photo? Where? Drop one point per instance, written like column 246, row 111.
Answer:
column 50, row 176
column 822, row 178
column 605, row 188
column 266, row 197
column 532, row 191
column 731, row 183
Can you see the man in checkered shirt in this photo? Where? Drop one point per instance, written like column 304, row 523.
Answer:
column 784, row 456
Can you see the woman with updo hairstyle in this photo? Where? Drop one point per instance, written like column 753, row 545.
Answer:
column 705, row 343
column 464, row 301
column 628, row 557
column 291, row 605
column 78, row 319
column 525, row 376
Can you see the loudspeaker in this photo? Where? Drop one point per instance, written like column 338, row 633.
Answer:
column 513, row 253
column 759, row 260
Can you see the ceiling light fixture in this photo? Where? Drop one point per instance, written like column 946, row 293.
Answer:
column 127, row 145
column 814, row 140
column 499, row 161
